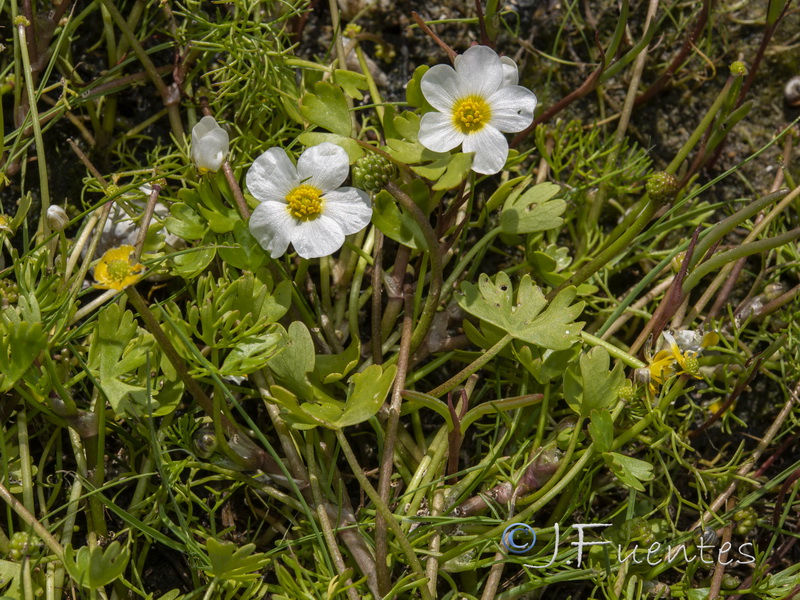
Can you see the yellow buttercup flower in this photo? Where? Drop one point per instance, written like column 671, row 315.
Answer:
column 117, row 269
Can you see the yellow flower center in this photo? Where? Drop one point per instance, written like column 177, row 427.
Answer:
column 119, row 269
column 471, row 114
column 304, row 202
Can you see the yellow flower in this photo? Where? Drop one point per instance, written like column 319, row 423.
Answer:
column 680, row 356
column 116, row 270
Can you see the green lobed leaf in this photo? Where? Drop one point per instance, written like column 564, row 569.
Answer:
column 327, row 107
column 535, row 210
column 20, row 344
column 185, row 222
column 546, row 365
column 333, row 367
column 247, row 253
column 352, row 82
column 593, row 386
column 292, row 366
column 232, row 562
column 601, row 428
column 395, row 223
column 631, row 471
column 96, row 567
column 114, row 357
column 191, row 263
column 414, row 94
column 530, row 318
column 251, row 353
column 369, row 391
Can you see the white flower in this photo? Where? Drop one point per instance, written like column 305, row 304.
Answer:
column 209, row 145
column 304, row 205
column 476, row 101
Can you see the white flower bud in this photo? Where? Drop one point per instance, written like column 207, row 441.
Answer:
column 209, row 145
column 57, row 218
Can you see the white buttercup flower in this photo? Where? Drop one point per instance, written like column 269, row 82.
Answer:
column 304, row 205
column 209, row 145
column 476, row 101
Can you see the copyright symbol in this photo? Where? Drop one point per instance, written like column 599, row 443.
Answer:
column 526, row 541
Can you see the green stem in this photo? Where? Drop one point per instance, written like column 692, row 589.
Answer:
column 734, row 254
column 626, row 358
column 385, row 478
column 468, row 259
column 699, row 131
column 728, row 224
column 355, row 287
column 644, row 422
column 322, row 515
column 471, row 368
column 435, row 288
column 37, row 134
column 380, row 505
column 236, row 190
column 170, row 95
column 622, row 243
column 28, row 518
column 26, row 473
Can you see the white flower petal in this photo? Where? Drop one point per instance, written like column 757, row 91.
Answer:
column 437, row 132
column 321, row 237
column 481, row 71
column 442, row 86
column 324, row 166
column 209, row 151
column 209, row 144
column 204, row 126
column 272, row 176
column 273, row 227
column 350, row 207
column 510, row 71
column 490, row 148
column 512, row 108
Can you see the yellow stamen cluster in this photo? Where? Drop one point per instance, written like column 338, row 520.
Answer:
column 471, row 114
column 304, row 202
column 116, row 270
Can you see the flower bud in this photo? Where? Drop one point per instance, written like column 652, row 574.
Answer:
column 205, row 442
column 57, row 218
column 773, row 290
column 209, row 145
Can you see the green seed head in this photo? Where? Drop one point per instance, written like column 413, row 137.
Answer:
column 662, row 187
column 626, row 392
column 692, row 366
column 372, row 172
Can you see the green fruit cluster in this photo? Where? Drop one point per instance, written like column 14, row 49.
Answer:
column 372, row 172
